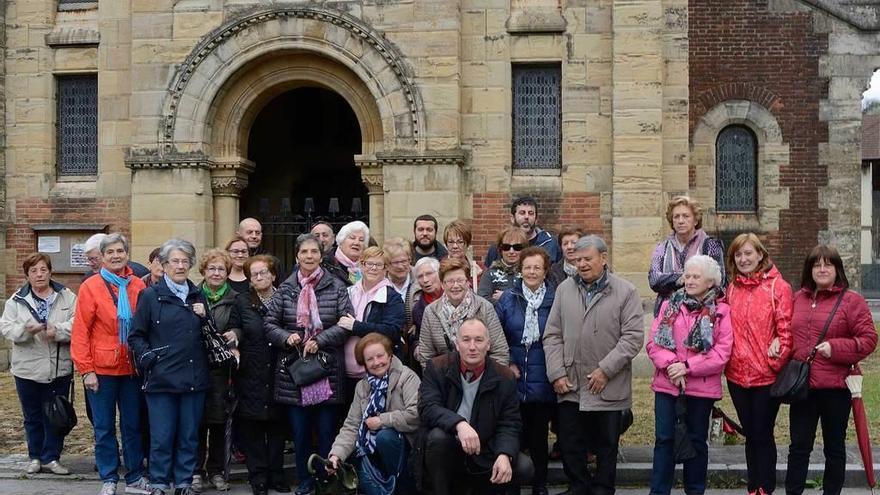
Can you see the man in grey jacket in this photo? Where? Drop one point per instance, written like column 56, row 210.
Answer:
column 594, row 331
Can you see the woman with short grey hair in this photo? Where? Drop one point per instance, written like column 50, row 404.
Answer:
column 352, row 239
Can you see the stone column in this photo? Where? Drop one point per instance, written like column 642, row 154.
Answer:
column 371, row 175
column 228, row 179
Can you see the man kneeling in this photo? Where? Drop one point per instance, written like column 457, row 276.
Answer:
column 469, row 406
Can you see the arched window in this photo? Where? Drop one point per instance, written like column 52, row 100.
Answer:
column 736, row 169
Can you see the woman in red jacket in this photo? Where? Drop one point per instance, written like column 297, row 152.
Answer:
column 850, row 338
column 760, row 310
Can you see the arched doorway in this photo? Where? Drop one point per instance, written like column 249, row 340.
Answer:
column 302, row 144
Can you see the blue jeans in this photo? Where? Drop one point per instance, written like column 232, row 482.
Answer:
column 42, row 443
column 174, row 437
column 123, row 392
column 389, row 459
column 699, row 411
column 303, row 421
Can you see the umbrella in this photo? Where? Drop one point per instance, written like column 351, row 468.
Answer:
column 730, row 426
column 343, row 482
column 231, row 404
column 854, row 383
column 684, row 448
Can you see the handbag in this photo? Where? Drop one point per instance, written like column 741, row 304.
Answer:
column 216, row 347
column 306, row 369
column 59, row 411
column 793, row 382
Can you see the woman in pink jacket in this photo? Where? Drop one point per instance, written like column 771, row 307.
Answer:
column 689, row 345
column 760, row 314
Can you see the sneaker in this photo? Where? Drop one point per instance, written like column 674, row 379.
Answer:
column 34, row 466
column 140, row 487
column 219, row 483
column 306, row 487
column 196, row 483
column 184, row 491
column 56, row 468
column 108, row 488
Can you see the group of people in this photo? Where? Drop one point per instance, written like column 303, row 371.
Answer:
column 426, row 370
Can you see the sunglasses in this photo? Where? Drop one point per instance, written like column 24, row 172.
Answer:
column 515, row 247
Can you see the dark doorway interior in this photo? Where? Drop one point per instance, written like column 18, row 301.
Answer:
column 303, row 144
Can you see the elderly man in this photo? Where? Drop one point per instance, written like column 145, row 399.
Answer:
column 594, row 331
column 251, row 231
column 324, row 232
column 96, row 260
column 471, row 422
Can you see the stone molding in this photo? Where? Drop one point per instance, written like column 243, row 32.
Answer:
column 536, row 21
column 448, row 157
column 216, row 38
column 228, row 186
column 68, row 37
column 155, row 161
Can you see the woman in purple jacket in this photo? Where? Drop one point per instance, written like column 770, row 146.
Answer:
column 690, row 343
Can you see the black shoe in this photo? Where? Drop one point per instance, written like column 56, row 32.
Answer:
column 260, row 489
column 280, row 487
column 539, row 490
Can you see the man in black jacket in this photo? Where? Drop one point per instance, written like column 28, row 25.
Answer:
column 471, row 422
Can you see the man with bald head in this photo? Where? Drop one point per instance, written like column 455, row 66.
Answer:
column 251, row 231
column 471, row 422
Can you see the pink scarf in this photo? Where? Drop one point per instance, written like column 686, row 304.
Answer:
column 354, row 270
column 309, row 317
column 360, row 299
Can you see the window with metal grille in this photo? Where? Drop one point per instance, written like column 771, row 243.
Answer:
column 77, row 125
column 736, row 170
column 537, row 117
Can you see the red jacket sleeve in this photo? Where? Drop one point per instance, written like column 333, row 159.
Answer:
column 784, row 302
column 863, row 336
column 81, row 335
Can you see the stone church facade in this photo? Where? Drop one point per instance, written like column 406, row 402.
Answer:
column 642, row 90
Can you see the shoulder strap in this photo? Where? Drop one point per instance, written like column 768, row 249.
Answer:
column 110, row 290
column 827, row 324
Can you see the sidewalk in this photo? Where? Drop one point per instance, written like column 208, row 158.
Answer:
column 726, row 467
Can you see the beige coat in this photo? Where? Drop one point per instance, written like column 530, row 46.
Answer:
column 607, row 335
column 432, row 341
column 401, row 409
column 33, row 356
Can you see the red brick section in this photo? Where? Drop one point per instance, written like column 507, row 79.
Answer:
column 741, row 50
column 115, row 212
column 492, row 213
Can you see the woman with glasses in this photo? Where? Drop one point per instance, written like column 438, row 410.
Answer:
column 458, row 303
column 457, row 237
column 504, row 272
column 238, row 252
column 377, row 308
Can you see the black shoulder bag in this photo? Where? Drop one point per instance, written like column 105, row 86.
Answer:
column 793, row 382
column 59, row 410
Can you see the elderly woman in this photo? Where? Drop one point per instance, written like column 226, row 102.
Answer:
column 100, row 351
column 302, row 318
column 429, row 289
column 383, row 416
column 851, row 337
column 688, row 239
column 166, row 340
column 503, row 273
column 37, row 319
column 214, row 268
column 458, row 303
column 237, row 248
column 523, row 312
column 352, row 239
column 155, row 267
column 760, row 314
column 565, row 267
column 257, row 417
column 689, row 345
column 457, row 237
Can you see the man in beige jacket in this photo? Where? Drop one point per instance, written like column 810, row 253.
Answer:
column 594, row 331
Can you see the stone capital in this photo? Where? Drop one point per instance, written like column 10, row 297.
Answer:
column 228, row 186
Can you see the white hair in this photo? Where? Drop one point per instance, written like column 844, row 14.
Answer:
column 427, row 260
column 94, row 242
column 356, row 226
column 707, row 265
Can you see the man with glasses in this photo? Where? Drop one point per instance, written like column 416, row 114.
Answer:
column 524, row 214
column 470, row 417
column 95, row 260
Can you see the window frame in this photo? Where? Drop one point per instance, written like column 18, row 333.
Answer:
column 756, row 163
column 60, row 173
column 548, row 169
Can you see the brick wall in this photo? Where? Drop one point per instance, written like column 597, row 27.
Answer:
column 741, row 50
column 492, row 213
column 20, row 238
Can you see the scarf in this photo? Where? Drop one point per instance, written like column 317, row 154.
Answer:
column 366, row 443
column 451, row 317
column 676, row 254
column 569, row 269
column 354, row 270
column 179, row 290
column 429, row 298
column 213, row 296
column 41, row 306
column 265, row 300
column 531, row 331
column 699, row 338
column 123, row 307
column 309, row 318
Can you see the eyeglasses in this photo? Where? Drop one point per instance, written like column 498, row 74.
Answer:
column 455, row 281
column 372, row 265
column 259, row 274
column 238, row 251
column 515, row 247
column 180, row 262
column 400, row 263
column 217, row 269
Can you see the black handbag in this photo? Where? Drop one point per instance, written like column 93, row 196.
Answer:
column 59, row 410
column 793, row 382
column 216, row 346
column 306, row 369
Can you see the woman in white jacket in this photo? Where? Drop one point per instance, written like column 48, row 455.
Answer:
column 37, row 319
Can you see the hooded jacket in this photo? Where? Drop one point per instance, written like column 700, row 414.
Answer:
column 542, row 239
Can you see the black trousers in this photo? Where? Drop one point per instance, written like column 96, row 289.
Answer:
column 583, row 432
column 831, row 406
column 263, row 445
column 212, row 449
column 757, row 412
column 535, row 429
column 447, row 471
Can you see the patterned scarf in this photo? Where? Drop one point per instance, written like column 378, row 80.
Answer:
column 214, row 296
column 699, row 339
column 42, row 305
column 452, row 317
column 179, row 290
column 366, row 443
column 354, row 270
column 531, row 331
column 569, row 269
column 308, row 317
column 676, row 254
column 123, row 307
